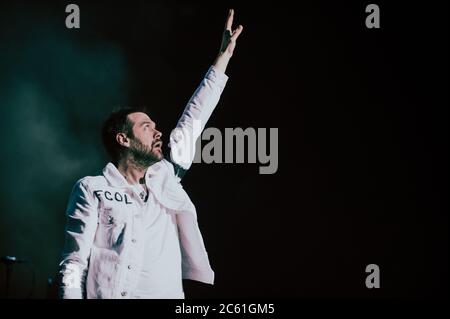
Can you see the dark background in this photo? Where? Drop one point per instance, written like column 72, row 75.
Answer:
column 363, row 136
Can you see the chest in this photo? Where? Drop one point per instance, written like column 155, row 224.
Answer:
column 125, row 205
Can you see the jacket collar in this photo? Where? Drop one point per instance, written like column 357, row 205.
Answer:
column 161, row 180
column 116, row 179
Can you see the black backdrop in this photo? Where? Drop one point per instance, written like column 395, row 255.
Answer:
column 362, row 117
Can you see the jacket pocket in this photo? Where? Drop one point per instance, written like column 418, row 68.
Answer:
column 111, row 229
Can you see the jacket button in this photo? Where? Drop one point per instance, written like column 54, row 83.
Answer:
column 133, row 241
column 129, row 267
column 124, row 293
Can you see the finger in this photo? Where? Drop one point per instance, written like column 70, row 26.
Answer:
column 229, row 22
column 236, row 33
column 228, row 34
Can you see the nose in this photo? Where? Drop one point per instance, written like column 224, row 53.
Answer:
column 158, row 135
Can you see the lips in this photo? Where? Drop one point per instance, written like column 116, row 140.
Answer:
column 157, row 144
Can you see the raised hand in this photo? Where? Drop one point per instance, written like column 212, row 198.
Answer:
column 230, row 36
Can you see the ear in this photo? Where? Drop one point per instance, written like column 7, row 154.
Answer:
column 122, row 139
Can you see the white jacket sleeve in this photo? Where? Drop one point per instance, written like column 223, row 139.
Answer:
column 81, row 225
column 194, row 118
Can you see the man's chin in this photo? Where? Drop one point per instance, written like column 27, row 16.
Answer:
column 158, row 156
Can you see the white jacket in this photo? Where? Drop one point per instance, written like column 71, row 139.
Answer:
column 104, row 236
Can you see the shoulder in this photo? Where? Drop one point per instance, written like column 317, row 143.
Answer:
column 91, row 182
column 174, row 169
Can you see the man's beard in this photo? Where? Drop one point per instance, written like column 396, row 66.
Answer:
column 143, row 155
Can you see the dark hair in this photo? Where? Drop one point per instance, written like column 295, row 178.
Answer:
column 118, row 122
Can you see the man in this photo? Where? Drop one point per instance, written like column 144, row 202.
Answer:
column 132, row 232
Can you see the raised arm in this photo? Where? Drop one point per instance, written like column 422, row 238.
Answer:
column 203, row 101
